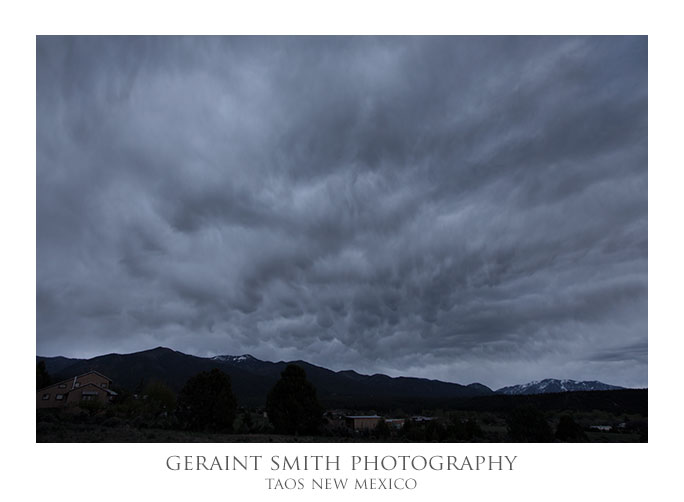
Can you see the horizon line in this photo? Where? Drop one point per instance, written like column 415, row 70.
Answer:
column 334, row 371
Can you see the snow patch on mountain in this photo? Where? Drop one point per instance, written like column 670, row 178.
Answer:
column 234, row 359
column 550, row 385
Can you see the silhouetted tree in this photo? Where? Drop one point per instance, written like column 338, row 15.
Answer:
column 382, row 430
column 568, row 430
column 410, row 431
column 207, row 403
column 42, row 376
column 473, row 429
column 435, row 431
column 459, row 429
column 528, row 424
column 292, row 405
column 159, row 398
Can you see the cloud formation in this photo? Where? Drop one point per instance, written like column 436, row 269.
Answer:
column 461, row 208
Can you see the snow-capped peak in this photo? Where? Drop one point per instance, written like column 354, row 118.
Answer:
column 550, row 385
column 234, row 359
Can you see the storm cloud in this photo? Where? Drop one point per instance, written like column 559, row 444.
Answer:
column 461, row 208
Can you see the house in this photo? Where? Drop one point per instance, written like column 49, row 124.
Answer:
column 91, row 386
column 362, row 422
column 602, row 428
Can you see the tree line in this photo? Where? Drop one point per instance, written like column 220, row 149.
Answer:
column 207, row 403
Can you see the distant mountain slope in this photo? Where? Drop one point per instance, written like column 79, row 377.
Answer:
column 133, row 371
column 56, row 365
column 551, row 385
column 252, row 378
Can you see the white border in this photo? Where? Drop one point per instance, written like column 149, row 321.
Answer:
column 560, row 472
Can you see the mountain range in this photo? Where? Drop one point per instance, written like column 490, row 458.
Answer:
column 252, row 378
column 552, row 385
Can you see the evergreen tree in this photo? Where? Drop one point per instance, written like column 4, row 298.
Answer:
column 528, row 425
column 568, row 430
column 159, row 398
column 207, row 402
column 382, row 430
column 292, row 405
column 434, row 431
column 42, row 376
column 460, row 429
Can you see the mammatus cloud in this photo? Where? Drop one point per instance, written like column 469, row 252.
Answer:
column 461, row 208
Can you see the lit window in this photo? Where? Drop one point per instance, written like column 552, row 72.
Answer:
column 88, row 395
column 103, row 385
column 62, row 386
column 77, row 384
column 59, row 397
column 46, row 397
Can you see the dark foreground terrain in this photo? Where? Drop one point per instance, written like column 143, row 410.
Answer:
column 80, row 433
column 601, row 416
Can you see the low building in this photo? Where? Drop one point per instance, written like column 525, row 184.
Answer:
column 395, row 423
column 362, row 422
column 91, row 386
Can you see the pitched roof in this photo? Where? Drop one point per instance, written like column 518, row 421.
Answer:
column 108, row 391
column 71, row 379
column 93, row 371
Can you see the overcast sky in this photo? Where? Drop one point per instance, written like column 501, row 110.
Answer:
column 462, row 208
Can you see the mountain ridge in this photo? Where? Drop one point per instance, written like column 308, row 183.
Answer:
column 252, row 378
column 554, row 385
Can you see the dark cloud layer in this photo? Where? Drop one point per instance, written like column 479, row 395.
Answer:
column 462, row 208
